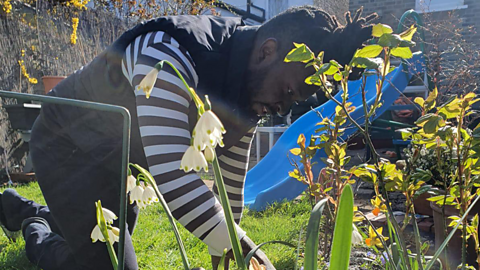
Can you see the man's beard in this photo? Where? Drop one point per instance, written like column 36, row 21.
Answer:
column 255, row 79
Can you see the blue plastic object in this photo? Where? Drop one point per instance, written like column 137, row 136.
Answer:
column 268, row 181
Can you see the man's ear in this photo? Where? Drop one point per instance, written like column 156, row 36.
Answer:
column 268, row 52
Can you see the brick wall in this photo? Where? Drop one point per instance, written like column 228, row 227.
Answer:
column 451, row 38
column 390, row 12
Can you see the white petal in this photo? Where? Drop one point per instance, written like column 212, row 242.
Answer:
column 149, row 195
column 201, row 140
column 114, row 235
column 97, row 235
column 187, row 160
column 141, row 205
column 136, row 194
column 148, row 82
column 357, row 238
column 131, row 183
column 199, row 162
column 213, row 121
column 108, row 215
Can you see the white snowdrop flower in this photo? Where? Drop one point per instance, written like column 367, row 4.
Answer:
column 209, row 154
column 97, row 235
column 193, row 160
column 114, row 235
column 208, row 131
column 146, row 85
column 131, row 182
column 136, row 194
column 141, row 205
column 357, row 238
column 149, row 195
column 108, row 215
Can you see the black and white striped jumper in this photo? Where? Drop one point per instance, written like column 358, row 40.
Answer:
column 164, row 129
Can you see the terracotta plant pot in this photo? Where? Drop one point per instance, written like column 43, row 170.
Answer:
column 50, row 82
column 422, row 205
column 455, row 245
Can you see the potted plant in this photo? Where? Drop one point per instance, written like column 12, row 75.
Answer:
column 442, row 132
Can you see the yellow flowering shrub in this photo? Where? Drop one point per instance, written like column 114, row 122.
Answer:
column 73, row 37
column 79, row 4
column 6, row 6
column 25, row 73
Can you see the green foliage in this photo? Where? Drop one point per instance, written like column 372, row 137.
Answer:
column 342, row 237
column 311, row 244
column 157, row 249
column 384, row 175
column 442, row 130
column 301, row 53
column 151, row 181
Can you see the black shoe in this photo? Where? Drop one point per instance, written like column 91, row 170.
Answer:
column 34, row 220
column 11, row 234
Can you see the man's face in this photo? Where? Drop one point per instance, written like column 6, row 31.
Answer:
column 274, row 88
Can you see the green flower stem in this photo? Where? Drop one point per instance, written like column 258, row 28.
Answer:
column 103, row 228
column 196, row 99
column 149, row 179
column 232, row 231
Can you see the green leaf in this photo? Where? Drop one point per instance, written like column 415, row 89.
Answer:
column 230, row 222
column 436, row 198
column 313, row 79
column 336, row 64
column 408, row 34
column 296, row 151
column 406, row 43
column 424, row 118
column 381, row 29
column 337, row 77
column 301, row 53
column 406, row 133
column 402, row 52
column 252, row 252
column 430, row 102
column 368, row 63
column 221, row 264
column 433, row 124
column 390, row 40
column 420, row 101
column 342, row 235
column 328, row 69
column 369, row 51
column 311, row 244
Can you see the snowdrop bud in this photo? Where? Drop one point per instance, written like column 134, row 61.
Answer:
column 131, row 183
column 357, row 238
column 136, row 194
column 97, row 235
column 108, row 215
column 149, row 195
column 209, row 154
column 193, row 160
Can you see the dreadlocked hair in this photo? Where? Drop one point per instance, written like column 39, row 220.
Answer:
column 319, row 30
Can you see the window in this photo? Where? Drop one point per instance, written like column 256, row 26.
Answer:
column 424, row 6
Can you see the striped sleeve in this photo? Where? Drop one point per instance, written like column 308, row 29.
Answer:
column 164, row 130
column 234, row 166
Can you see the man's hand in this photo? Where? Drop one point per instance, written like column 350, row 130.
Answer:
column 247, row 246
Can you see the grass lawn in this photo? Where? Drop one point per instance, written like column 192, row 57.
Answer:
column 155, row 243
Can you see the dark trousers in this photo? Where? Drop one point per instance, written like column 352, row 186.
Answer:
column 71, row 182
